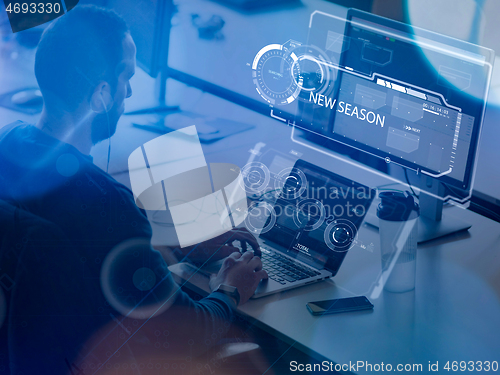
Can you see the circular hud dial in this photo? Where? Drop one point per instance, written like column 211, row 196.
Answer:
column 292, row 182
column 260, row 218
column 255, row 177
column 310, row 214
column 275, row 74
column 283, row 73
column 339, row 235
column 315, row 72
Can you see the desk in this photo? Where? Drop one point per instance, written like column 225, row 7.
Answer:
column 451, row 315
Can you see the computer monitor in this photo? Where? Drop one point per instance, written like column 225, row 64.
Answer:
column 404, row 95
column 149, row 22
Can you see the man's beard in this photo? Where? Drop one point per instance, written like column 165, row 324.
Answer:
column 103, row 126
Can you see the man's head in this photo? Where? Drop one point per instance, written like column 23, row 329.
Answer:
column 84, row 62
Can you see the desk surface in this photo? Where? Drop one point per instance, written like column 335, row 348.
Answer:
column 451, row 315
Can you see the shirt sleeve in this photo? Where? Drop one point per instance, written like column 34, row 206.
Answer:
column 193, row 326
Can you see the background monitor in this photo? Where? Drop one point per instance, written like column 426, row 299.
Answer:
column 404, row 95
column 149, row 22
column 145, row 20
column 394, row 105
column 219, row 63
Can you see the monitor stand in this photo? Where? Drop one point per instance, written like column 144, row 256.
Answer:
column 433, row 222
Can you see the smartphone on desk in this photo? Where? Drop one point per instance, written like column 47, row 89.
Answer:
column 334, row 306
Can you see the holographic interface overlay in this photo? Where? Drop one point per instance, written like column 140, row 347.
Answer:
column 314, row 214
column 404, row 95
column 169, row 175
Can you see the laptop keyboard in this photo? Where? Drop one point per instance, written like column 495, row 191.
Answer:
column 282, row 269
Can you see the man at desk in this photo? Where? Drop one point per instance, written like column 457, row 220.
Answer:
column 83, row 65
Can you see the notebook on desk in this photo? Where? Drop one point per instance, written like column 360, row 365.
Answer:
column 309, row 229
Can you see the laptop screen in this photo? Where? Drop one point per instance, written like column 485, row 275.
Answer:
column 317, row 215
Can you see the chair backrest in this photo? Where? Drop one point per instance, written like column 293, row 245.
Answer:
column 8, row 265
column 19, row 231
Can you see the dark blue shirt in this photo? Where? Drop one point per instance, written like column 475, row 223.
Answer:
column 57, row 305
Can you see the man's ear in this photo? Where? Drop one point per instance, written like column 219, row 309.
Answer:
column 101, row 100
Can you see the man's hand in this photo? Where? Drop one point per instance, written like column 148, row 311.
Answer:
column 241, row 271
column 222, row 246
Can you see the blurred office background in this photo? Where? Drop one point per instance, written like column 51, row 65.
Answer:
column 215, row 40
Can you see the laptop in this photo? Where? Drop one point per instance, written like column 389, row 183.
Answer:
column 305, row 235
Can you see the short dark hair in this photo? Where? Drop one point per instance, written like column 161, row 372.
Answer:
column 77, row 51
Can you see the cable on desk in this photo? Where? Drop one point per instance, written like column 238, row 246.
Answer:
column 409, row 184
